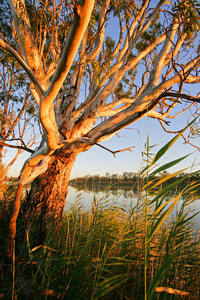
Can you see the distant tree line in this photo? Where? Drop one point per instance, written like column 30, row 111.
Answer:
column 129, row 180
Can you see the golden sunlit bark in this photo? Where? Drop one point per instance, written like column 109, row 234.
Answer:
column 81, row 19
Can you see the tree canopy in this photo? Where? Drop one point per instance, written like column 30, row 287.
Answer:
column 86, row 84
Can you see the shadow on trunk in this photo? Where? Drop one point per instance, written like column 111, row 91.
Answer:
column 44, row 203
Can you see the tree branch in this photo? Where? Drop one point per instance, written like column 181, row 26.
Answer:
column 161, row 59
column 81, row 19
column 118, row 71
column 16, row 147
column 117, row 151
column 118, row 121
column 20, row 60
column 129, row 35
column 80, row 22
column 26, row 38
column 100, row 34
column 183, row 96
column 122, row 29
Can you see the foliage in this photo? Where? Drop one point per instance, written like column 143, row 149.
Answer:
column 189, row 13
column 101, row 253
column 112, row 73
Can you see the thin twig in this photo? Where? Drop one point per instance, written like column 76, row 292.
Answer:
column 117, row 151
column 16, row 147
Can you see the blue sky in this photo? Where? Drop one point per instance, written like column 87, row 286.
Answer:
column 99, row 161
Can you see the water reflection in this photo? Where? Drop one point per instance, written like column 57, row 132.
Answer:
column 123, row 198
column 111, row 197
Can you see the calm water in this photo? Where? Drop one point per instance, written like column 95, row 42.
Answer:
column 122, row 198
column 86, row 197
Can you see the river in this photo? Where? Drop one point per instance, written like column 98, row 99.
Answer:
column 123, row 198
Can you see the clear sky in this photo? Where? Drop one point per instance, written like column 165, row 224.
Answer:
column 99, row 161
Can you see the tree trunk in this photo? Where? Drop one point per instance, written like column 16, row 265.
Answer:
column 1, row 173
column 45, row 202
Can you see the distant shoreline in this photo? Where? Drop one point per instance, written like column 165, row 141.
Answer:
column 119, row 182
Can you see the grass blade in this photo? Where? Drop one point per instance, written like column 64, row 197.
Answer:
column 171, row 291
column 167, row 146
column 108, row 285
column 166, row 190
column 164, row 149
column 159, row 275
column 169, row 165
column 163, row 218
column 166, row 178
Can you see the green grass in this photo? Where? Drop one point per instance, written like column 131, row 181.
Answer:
column 104, row 253
column 147, row 250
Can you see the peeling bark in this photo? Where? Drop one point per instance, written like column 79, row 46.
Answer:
column 45, row 201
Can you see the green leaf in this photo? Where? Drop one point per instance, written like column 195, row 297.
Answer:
column 164, row 149
column 169, row 165
column 108, row 285
column 162, row 218
column 167, row 146
column 159, row 275
column 167, row 189
column 160, row 207
column 166, row 178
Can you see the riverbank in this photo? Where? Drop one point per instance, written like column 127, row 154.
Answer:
column 109, row 253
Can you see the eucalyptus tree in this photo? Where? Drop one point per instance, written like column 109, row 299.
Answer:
column 88, row 86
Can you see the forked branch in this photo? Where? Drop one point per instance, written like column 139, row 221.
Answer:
column 115, row 152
